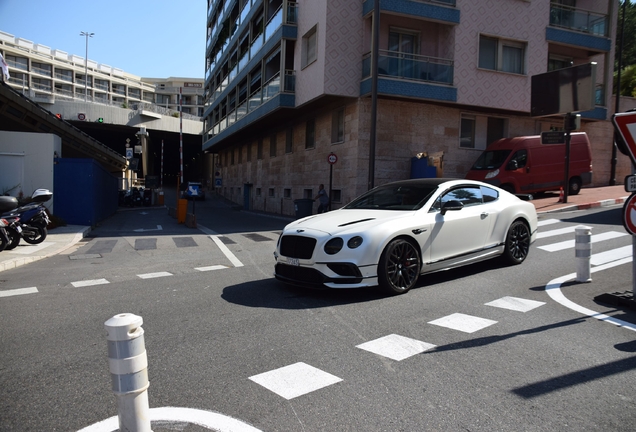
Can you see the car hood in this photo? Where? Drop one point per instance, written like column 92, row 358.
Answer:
column 343, row 220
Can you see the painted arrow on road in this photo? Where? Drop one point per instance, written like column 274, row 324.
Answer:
column 149, row 229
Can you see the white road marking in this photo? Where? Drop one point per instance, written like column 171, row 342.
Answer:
column 568, row 244
column 611, row 255
column 555, row 232
column 396, row 347
column 19, row 291
column 548, row 222
column 462, row 322
column 515, row 304
column 206, row 419
column 154, row 275
column 159, row 228
column 210, row 268
column 553, row 288
column 295, row 380
column 215, row 237
column 92, row 282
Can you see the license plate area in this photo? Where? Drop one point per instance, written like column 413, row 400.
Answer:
column 293, row 261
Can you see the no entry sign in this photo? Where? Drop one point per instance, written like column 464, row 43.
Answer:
column 629, row 214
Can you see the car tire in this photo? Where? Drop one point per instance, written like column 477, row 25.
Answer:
column 574, row 186
column 399, row 267
column 517, row 243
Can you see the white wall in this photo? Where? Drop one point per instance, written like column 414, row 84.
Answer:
column 29, row 156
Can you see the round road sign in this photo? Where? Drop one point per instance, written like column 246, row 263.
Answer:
column 629, row 214
column 332, row 158
column 81, row 116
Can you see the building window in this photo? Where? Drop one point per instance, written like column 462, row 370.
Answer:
column 501, row 55
column 337, row 126
column 336, row 195
column 308, row 193
column 272, row 146
column 309, row 47
column 310, row 134
column 289, row 140
column 258, row 192
column 259, row 150
column 558, row 62
column 287, row 193
column 271, row 192
column 477, row 132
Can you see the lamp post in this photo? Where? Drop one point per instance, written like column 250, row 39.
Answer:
column 87, row 34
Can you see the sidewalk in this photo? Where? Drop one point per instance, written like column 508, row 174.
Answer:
column 61, row 238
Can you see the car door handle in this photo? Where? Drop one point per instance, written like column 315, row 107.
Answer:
column 484, row 215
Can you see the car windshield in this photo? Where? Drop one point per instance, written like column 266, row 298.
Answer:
column 491, row 159
column 394, row 197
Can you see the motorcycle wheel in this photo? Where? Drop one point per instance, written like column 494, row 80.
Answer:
column 3, row 241
column 14, row 236
column 30, row 236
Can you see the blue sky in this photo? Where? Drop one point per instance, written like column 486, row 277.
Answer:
column 148, row 38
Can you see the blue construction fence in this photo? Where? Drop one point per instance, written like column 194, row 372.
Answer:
column 84, row 193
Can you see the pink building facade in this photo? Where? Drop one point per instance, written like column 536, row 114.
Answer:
column 289, row 83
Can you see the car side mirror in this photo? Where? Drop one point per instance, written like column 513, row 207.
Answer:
column 452, row 205
column 512, row 165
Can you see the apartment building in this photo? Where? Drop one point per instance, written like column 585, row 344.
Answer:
column 46, row 75
column 288, row 83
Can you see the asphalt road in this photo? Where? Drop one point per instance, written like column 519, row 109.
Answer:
column 482, row 348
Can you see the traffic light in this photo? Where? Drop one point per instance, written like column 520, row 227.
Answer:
column 100, row 120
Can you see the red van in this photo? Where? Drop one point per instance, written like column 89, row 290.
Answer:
column 525, row 165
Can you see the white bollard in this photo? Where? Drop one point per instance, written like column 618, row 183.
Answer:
column 583, row 253
column 129, row 371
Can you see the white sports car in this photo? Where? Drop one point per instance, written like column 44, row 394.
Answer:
column 392, row 234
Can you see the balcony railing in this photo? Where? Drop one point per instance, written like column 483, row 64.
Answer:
column 41, row 71
column 578, row 19
column 410, row 66
column 17, row 65
column 64, row 77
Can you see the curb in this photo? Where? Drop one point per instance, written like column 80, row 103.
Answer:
column 602, row 203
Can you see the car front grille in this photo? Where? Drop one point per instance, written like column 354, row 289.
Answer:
column 299, row 275
column 297, row 246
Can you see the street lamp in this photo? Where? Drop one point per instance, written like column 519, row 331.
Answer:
column 87, row 34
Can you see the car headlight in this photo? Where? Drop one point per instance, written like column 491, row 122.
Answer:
column 354, row 242
column 334, row 246
column 492, row 174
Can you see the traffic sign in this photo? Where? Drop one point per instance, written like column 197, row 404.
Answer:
column 332, row 158
column 129, row 153
column 218, row 182
column 630, row 183
column 81, row 116
column 625, row 124
column 629, row 214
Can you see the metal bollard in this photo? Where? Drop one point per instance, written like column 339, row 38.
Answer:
column 129, row 371
column 583, row 252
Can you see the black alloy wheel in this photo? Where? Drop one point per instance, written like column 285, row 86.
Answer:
column 399, row 267
column 517, row 243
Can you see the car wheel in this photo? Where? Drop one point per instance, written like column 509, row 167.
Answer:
column 399, row 267
column 574, row 186
column 517, row 243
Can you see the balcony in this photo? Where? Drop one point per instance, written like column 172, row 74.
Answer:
column 438, row 10
column 578, row 27
column 411, row 75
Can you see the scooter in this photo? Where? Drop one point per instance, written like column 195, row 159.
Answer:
column 33, row 218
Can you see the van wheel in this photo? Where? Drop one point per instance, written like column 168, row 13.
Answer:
column 575, row 186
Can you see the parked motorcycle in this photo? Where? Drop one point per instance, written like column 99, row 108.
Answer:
column 4, row 237
column 13, row 230
column 31, row 219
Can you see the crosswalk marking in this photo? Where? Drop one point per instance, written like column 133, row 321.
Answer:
column 154, row 275
column 396, row 347
column 548, row 222
column 91, row 282
column 210, row 268
column 568, row 244
column 556, row 232
column 515, row 304
column 611, row 255
column 295, row 380
column 462, row 322
column 19, row 291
